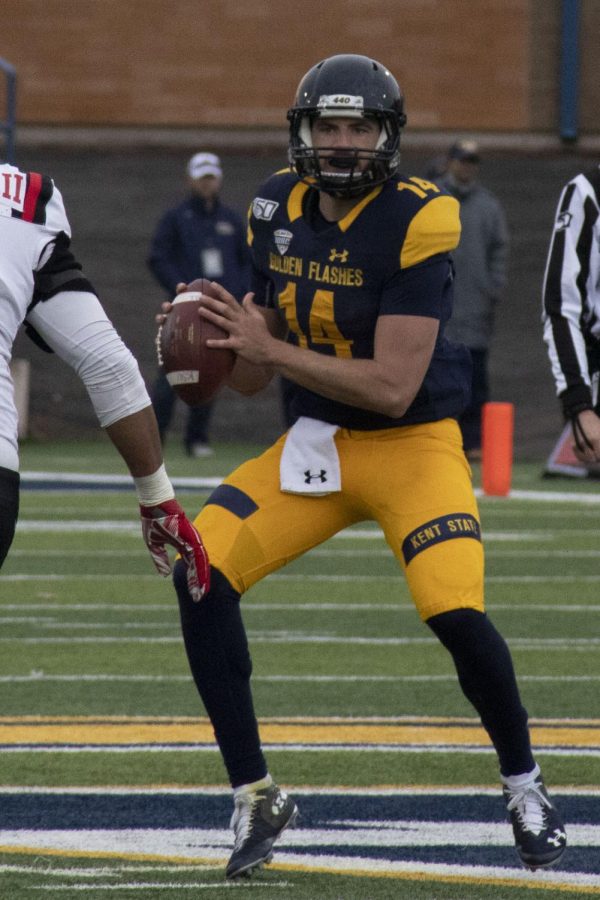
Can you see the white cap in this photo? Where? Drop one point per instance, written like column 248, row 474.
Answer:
column 202, row 164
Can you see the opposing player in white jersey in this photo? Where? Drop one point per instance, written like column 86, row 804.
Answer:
column 571, row 314
column 42, row 285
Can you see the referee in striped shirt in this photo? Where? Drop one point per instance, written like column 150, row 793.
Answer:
column 571, row 314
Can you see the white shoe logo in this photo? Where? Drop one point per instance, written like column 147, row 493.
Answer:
column 558, row 837
column 278, row 804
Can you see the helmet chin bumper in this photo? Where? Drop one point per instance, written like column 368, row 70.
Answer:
column 349, row 178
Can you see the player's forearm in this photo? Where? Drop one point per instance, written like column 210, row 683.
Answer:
column 137, row 439
column 365, row 383
column 248, row 378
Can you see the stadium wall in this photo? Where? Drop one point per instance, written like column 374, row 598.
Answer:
column 463, row 64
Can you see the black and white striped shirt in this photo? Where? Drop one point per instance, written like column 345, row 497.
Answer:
column 571, row 293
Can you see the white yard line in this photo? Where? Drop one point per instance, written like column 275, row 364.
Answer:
column 252, row 606
column 554, row 644
column 304, row 577
column 39, row 676
column 585, row 752
column 72, row 480
column 132, row 526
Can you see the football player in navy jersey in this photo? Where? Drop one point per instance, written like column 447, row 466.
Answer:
column 352, row 289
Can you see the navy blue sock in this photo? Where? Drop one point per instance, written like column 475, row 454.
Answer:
column 217, row 649
column 487, row 678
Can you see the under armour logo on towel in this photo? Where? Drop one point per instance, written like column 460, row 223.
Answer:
column 318, row 476
column 309, row 462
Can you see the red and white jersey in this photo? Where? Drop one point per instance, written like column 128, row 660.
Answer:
column 32, row 215
column 42, row 282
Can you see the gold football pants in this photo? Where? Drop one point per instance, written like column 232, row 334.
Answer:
column 414, row 481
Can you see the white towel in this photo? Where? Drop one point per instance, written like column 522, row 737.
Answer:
column 309, row 462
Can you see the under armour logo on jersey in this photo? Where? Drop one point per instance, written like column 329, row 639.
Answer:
column 321, row 476
column 264, row 209
column 563, row 221
column 340, row 256
column 283, row 239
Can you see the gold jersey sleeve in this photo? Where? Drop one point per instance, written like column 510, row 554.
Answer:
column 435, row 228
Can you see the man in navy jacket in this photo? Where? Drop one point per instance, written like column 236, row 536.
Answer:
column 199, row 238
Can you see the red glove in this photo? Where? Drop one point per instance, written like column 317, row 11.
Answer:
column 168, row 524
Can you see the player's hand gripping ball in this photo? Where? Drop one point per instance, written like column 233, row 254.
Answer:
column 194, row 371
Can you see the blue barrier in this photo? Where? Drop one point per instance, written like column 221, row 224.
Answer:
column 569, row 70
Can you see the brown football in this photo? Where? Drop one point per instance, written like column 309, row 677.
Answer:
column 194, row 371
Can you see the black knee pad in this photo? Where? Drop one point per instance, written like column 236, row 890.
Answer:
column 460, row 626
column 479, row 651
column 213, row 624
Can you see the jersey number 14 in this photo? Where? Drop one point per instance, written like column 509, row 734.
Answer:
column 322, row 327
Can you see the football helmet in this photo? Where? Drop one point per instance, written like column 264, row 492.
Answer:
column 346, row 85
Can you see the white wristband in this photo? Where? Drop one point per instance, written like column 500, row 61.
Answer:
column 154, row 489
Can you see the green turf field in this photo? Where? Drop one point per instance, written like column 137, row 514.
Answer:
column 102, row 741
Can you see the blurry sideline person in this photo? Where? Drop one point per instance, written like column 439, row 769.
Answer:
column 199, row 238
column 480, row 261
column 571, row 310
column 42, row 285
column 352, row 291
column 436, row 167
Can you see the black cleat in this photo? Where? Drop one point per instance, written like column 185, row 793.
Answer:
column 258, row 820
column 540, row 836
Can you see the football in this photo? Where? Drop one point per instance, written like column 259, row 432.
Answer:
column 194, row 371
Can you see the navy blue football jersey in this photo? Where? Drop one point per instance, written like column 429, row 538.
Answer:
column 390, row 255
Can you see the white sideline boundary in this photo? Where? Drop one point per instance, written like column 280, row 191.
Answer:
column 73, row 481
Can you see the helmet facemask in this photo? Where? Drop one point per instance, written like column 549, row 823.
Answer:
column 352, row 179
